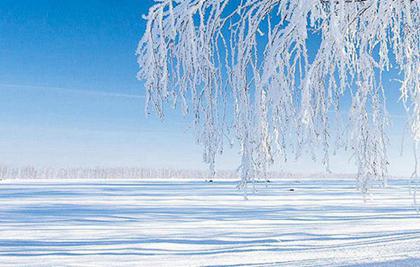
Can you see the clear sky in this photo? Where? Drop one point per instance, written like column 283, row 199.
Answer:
column 69, row 94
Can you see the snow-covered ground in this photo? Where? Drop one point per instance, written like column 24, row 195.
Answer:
column 194, row 223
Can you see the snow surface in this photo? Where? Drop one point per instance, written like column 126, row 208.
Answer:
column 194, row 223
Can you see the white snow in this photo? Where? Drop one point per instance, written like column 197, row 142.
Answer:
column 194, row 223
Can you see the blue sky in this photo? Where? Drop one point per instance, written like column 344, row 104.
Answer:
column 69, row 94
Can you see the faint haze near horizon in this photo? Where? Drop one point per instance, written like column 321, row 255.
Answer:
column 69, row 95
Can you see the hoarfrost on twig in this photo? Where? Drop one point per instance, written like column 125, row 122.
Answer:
column 244, row 65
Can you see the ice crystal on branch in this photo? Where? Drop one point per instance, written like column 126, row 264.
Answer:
column 243, row 68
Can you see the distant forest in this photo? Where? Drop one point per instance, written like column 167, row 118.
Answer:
column 31, row 172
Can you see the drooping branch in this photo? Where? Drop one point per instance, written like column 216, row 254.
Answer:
column 246, row 68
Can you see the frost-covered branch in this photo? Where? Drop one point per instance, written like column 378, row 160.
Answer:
column 246, row 68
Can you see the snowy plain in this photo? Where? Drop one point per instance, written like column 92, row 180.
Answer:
column 195, row 223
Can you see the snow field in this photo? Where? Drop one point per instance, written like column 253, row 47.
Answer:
column 194, row 223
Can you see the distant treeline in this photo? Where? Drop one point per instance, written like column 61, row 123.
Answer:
column 30, row 172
